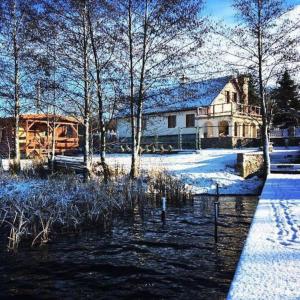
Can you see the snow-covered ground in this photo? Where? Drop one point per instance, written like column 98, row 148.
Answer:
column 269, row 266
column 201, row 171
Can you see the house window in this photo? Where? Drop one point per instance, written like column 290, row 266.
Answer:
column 245, row 130
column 172, row 121
column 223, row 129
column 234, row 97
column 227, row 96
column 253, row 131
column 236, row 126
column 190, row 120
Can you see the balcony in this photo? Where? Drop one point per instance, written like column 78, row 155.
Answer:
column 226, row 109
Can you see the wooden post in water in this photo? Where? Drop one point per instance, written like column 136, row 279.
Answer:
column 163, row 210
column 216, row 213
column 216, row 221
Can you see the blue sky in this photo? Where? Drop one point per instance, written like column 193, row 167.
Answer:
column 221, row 9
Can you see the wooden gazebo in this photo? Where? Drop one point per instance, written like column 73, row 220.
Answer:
column 37, row 133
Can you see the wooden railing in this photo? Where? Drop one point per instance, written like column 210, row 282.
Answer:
column 229, row 109
column 248, row 109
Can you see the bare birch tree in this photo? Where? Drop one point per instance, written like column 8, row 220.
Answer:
column 161, row 40
column 262, row 43
column 16, row 19
column 102, row 44
column 73, row 62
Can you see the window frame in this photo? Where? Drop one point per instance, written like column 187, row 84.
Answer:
column 227, row 95
column 236, row 129
column 172, row 121
column 235, row 97
column 187, row 125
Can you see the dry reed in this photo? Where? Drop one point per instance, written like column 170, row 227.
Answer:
column 68, row 204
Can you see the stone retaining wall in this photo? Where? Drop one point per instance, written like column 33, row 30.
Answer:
column 249, row 163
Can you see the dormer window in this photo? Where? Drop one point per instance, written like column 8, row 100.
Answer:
column 227, row 97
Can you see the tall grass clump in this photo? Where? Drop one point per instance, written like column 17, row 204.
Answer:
column 67, row 203
column 164, row 184
column 59, row 206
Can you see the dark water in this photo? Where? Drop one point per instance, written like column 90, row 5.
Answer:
column 138, row 259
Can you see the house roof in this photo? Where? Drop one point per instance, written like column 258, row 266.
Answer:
column 44, row 117
column 187, row 96
column 58, row 118
column 182, row 97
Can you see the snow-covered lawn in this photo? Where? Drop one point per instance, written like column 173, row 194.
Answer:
column 201, row 171
column 269, row 266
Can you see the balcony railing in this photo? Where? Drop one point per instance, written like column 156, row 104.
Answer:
column 285, row 133
column 229, row 109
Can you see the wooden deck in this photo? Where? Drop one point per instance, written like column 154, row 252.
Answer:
column 269, row 267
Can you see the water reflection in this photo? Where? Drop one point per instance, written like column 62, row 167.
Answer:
column 138, row 258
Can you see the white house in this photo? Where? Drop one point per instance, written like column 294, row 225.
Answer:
column 211, row 113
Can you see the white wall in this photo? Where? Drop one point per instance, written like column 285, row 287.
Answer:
column 123, row 128
column 158, row 125
column 221, row 98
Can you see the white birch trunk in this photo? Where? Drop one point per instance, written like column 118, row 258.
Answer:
column 16, row 89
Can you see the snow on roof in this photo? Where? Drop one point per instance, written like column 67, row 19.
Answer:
column 58, row 118
column 184, row 96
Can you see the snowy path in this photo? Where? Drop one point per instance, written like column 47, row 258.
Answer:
column 269, row 266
